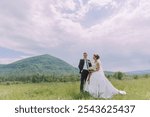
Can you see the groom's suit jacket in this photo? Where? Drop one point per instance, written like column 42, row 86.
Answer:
column 81, row 64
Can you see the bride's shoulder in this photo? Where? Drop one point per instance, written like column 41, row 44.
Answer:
column 97, row 62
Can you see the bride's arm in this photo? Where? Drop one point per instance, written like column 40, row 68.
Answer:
column 97, row 66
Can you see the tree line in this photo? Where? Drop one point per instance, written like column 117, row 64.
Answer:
column 37, row 78
column 120, row 76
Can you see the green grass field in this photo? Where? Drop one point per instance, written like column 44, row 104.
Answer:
column 137, row 89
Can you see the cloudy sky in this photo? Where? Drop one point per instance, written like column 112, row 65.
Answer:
column 118, row 30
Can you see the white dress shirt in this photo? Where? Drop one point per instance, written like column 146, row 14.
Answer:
column 85, row 67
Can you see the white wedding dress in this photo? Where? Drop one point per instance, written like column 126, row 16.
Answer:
column 99, row 86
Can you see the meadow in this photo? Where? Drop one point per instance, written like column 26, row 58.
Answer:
column 137, row 89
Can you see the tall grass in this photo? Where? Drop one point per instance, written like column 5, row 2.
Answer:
column 137, row 89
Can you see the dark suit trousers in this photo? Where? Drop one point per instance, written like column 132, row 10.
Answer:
column 84, row 75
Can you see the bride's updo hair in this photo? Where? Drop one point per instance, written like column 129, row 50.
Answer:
column 97, row 56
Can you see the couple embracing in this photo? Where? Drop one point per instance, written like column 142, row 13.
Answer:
column 93, row 79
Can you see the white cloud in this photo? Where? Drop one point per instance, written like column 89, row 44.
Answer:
column 10, row 60
column 99, row 2
column 117, row 29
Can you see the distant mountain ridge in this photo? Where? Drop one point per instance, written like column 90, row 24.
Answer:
column 43, row 64
column 139, row 72
column 47, row 65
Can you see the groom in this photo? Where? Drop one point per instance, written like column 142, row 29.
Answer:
column 84, row 64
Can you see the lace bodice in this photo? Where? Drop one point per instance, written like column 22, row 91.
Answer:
column 94, row 65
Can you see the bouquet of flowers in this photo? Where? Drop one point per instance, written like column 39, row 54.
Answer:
column 92, row 69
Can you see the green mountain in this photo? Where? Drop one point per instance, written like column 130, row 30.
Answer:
column 43, row 64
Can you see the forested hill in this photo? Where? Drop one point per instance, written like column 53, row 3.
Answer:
column 43, row 64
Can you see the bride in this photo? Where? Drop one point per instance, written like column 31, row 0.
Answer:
column 97, row 84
